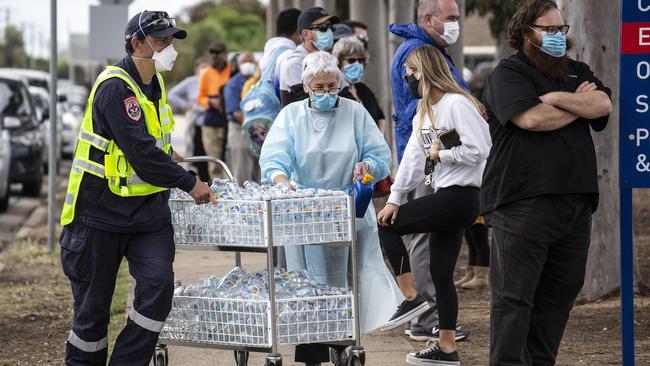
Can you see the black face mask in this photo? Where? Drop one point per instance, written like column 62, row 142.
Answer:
column 414, row 86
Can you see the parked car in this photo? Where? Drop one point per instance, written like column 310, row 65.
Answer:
column 33, row 77
column 26, row 139
column 70, row 123
column 41, row 99
column 5, row 162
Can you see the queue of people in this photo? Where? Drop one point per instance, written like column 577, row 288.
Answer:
column 520, row 164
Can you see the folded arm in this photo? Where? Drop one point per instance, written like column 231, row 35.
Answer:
column 589, row 105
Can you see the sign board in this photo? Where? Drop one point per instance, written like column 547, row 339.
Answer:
column 107, row 24
column 79, row 52
column 635, row 94
column 634, row 147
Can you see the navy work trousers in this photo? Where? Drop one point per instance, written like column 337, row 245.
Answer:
column 91, row 259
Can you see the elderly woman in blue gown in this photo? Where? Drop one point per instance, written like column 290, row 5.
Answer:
column 328, row 142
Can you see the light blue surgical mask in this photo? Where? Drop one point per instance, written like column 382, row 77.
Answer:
column 324, row 102
column 353, row 72
column 324, row 40
column 552, row 44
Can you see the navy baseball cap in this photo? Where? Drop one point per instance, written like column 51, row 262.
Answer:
column 153, row 23
column 315, row 16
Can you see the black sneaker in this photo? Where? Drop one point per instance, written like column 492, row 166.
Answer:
column 433, row 356
column 406, row 311
column 461, row 335
column 421, row 335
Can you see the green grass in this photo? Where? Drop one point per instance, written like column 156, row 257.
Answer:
column 28, row 251
column 118, row 306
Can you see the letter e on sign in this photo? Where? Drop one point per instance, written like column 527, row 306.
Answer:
column 644, row 36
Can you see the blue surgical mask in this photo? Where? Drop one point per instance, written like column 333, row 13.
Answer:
column 324, row 40
column 552, row 44
column 324, row 102
column 353, row 72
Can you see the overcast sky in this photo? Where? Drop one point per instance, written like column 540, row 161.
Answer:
column 33, row 17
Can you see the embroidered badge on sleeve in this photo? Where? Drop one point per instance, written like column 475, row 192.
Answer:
column 132, row 108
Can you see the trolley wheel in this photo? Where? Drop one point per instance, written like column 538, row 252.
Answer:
column 357, row 357
column 273, row 359
column 241, row 357
column 161, row 357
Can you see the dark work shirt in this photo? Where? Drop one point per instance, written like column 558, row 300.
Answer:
column 367, row 98
column 232, row 95
column 524, row 164
column 97, row 206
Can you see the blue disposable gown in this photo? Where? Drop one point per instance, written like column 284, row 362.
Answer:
column 319, row 150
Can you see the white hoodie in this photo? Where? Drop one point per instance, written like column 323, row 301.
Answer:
column 270, row 47
column 462, row 165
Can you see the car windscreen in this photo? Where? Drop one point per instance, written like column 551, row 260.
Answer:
column 14, row 99
column 38, row 82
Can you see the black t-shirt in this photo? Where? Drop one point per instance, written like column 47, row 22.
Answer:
column 522, row 163
column 367, row 98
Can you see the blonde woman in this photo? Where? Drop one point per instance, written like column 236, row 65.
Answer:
column 444, row 108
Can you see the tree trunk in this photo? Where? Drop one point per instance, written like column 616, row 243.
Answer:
column 329, row 5
column 374, row 15
column 456, row 50
column 595, row 29
column 271, row 15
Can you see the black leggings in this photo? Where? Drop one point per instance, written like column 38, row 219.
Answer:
column 445, row 214
column 476, row 237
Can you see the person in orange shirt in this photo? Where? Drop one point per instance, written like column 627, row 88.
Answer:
column 211, row 82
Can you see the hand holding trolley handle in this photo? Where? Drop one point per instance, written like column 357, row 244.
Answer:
column 201, row 191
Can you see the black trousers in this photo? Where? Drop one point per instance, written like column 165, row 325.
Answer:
column 476, row 237
column 91, row 259
column 539, row 254
column 445, row 214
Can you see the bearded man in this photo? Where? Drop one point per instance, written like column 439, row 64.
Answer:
column 540, row 184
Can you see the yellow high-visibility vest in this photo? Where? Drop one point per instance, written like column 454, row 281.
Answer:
column 122, row 180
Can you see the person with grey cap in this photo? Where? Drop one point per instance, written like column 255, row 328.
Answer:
column 116, row 205
column 316, row 31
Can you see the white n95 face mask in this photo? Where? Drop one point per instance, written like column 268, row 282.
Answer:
column 452, row 32
column 247, row 68
column 164, row 60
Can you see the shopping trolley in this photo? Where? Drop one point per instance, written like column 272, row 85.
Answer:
column 259, row 225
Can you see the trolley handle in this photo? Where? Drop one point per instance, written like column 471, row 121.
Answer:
column 210, row 159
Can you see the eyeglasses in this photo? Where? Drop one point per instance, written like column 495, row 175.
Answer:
column 321, row 92
column 321, row 27
column 351, row 60
column 216, row 52
column 553, row 29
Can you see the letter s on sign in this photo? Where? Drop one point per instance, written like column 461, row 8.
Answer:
column 641, row 101
column 643, row 8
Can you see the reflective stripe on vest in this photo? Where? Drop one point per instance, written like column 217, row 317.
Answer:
column 95, row 140
column 121, row 177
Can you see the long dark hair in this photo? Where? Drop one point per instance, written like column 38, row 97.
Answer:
column 526, row 15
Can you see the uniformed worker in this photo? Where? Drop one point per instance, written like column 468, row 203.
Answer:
column 116, row 203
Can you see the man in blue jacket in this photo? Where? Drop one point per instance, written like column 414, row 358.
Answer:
column 437, row 26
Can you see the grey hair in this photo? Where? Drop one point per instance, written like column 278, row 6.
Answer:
column 347, row 46
column 426, row 7
column 320, row 63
